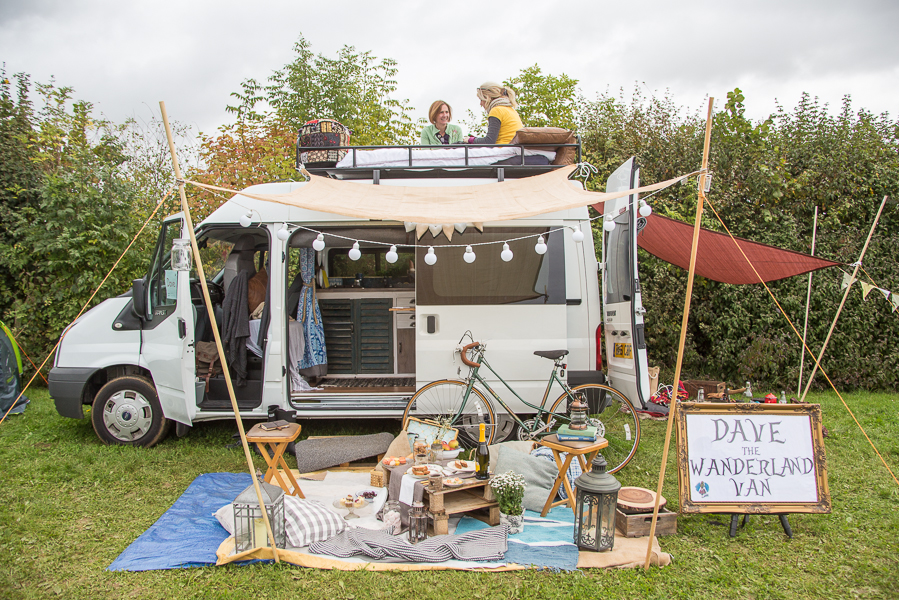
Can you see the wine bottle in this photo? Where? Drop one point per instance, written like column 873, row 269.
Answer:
column 482, row 455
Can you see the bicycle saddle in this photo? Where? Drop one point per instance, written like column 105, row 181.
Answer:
column 551, row 354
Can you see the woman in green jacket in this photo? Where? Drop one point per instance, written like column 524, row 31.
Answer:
column 440, row 131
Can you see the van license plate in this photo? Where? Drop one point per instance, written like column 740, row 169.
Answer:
column 623, row 351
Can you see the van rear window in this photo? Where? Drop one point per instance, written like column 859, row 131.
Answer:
column 529, row 278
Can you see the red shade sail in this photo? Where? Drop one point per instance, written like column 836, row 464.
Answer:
column 718, row 257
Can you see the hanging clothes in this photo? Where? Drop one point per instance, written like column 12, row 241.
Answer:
column 315, row 358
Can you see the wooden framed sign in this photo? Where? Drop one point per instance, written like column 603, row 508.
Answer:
column 751, row 458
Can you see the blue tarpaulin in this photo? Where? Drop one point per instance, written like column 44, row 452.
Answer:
column 187, row 534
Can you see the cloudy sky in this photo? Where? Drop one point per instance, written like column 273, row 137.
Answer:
column 125, row 56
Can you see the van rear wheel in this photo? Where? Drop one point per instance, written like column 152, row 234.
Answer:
column 126, row 411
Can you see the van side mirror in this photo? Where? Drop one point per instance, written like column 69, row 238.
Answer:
column 139, row 299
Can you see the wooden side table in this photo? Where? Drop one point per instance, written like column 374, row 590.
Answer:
column 277, row 441
column 584, row 452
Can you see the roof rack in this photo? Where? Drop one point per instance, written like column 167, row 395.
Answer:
column 512, row 168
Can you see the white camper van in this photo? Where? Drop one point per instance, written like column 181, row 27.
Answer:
column 384, row 329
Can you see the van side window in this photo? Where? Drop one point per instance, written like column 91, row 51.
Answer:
column 162, row 280
column 529, row 278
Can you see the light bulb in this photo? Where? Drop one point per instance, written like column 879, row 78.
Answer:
column 609, row 224
column 506, row 254
column 577, row 235
column 355, row 253
column 392, row 256
column 430, row 257
column 469, row 255
column 283, row 233
column 645, row 209
column 246, row 220
column 540, row 248
column 318, row 243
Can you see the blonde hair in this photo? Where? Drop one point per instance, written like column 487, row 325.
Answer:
column 494, row 94
column 435, row 108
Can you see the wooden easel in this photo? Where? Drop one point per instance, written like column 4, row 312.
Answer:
column 735, row 518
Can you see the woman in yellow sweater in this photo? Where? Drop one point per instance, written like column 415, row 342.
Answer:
column 502, row 119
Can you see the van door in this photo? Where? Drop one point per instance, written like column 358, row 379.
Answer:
column 167, row 338
column 622, row 301
column 514, row 307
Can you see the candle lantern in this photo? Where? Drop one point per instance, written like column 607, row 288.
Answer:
column 249, row 526
column 594, row 514
column 418, row 523
column 578, row 411
column 181, row 255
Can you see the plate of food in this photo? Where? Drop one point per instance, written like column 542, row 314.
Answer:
column 462, row 465
column 453, row 482
column 350, row 501
column 425, row 471
column 367, row 494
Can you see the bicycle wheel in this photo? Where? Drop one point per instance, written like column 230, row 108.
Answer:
column 613, row 415
column 441, row 401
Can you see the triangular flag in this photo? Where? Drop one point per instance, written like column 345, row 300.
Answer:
column 847, row 280
column 894, row 300
column 866, row 289
column 886, row 293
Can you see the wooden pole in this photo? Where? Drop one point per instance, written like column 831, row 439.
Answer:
column 703, row 174
column 843, row 301
column 808, row 302
column 215, row 330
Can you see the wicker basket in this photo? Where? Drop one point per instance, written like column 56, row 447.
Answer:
column 315, row 140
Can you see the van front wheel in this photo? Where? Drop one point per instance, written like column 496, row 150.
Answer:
column 126, row 411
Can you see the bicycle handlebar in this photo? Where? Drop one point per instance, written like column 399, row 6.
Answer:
column 464, row 353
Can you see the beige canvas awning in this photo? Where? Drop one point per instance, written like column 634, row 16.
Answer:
column 501, row 201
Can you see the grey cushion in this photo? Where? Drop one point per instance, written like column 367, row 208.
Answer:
column 538, row 474
column 524, row 447
column 322, row 453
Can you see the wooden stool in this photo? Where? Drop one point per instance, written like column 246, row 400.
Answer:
column 277, row 441
column 584, row 452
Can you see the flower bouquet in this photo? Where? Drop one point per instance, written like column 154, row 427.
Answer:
column 508, row 488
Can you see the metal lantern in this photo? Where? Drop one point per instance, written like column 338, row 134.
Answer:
column 594, row 514
column 578, row 410
column 181, row 255
column 418, row 523
column 249, row 526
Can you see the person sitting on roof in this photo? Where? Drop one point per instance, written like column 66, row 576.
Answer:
column 440, row 131
column 502, row 119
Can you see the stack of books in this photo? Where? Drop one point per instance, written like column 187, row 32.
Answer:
column 566, row 434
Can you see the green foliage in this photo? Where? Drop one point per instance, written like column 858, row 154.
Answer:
column 545, row 100
column 768, row 178
column 71, row 203
column 355, row 88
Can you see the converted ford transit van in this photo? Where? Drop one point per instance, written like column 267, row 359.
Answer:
column 344, row 326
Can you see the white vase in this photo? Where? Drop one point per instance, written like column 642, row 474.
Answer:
column 515, row 522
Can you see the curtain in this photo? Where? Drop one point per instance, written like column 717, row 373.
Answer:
column 315, row 358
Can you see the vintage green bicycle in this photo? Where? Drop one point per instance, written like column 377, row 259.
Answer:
column 459, row 404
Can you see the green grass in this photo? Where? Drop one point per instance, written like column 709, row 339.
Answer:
column 69, row 505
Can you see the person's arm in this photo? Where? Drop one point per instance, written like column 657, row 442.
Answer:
column 493, row 125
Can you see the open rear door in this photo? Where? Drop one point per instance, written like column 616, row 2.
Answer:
column 622, row 303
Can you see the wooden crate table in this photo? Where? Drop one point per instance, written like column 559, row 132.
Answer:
column 474, row 498
column 585, row 451
column 277, row 441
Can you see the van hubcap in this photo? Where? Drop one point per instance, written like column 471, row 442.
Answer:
column 127, row 415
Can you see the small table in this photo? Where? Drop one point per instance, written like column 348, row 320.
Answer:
column 584, row 452
column 276, row 440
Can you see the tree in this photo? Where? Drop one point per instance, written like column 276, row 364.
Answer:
column 545, row 100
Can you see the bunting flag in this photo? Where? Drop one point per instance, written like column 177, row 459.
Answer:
column 866, row 289
column 891, row 297
column 847, row 280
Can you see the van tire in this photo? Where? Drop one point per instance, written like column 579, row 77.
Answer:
column 126, row 411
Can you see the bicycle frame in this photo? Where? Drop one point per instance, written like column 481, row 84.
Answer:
column 474, row 376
